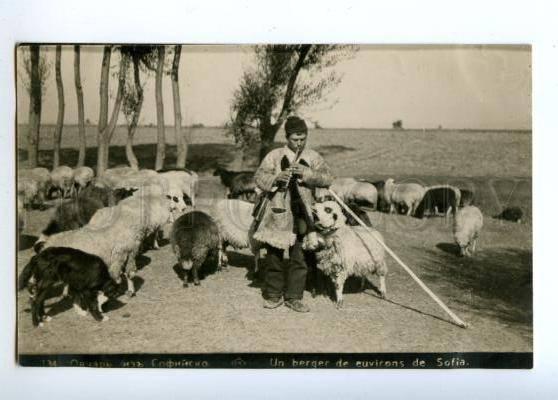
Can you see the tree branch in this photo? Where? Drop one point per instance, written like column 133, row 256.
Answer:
column 305, row 49
column 119, row 94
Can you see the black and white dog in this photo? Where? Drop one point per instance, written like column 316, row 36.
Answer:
column 86, row 276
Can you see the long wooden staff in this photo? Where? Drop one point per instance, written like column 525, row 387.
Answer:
column 455, row 318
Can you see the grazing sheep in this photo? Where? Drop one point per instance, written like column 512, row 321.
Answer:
column 467, row 198
column 115, row 234
column 77, row 213
column 82, row 177
column 85, row 275
column 353, row 191
column 62, row 181
column 194, row 237
column 187, row 181
column 238, row 184
column 42, row 177
column 466, row 229
column 148, row 181
column 343, row 251
column 234, row 220
column 403, row 196
column 439, row 198
column 514, row 214
column 28, row 191
column 383, row 203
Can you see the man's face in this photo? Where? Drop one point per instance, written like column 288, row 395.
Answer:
column 297, row 141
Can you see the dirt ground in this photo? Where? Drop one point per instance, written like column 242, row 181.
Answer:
column 492, row 291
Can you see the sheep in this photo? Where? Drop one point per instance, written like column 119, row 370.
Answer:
column 343, row 251
column 86, row 275
column 195, row 237
column 466, row 229
column 467, row 198
column 186, row 180
column 82, row 177
column 28, row 191
column 235, row 223
column 147, row 181
column 112, row 176
column 42, row 177
column 439, row 198
column 77, row 213
column 514, row 214
column 238, row 184
column 115, row 234
column 353, row 191
column 62, row 180
column 405, row 196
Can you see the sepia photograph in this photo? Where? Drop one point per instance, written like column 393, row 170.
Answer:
column 274, row 205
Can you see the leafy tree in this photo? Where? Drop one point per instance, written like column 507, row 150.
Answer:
column 397, row 124
column 106, row 127
column 285, row 79
column 133, row 95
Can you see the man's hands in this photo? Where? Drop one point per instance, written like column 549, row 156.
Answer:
column 296, row 170
column 283, row 177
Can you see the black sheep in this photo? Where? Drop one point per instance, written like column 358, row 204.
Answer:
column 438, row 199
column 194, row 239
column 86, row 275
column 79, row 211
column 383, row 203
column 239, row 184
column 514, row 214
column 467, row 198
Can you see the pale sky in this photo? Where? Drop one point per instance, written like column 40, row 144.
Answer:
column 456, row 87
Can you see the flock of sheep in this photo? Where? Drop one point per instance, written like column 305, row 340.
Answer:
column 110, row 219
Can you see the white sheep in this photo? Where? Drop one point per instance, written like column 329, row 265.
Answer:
column 353, row 191
column 115, row 234
column 62, row 180
column 407, row 195
column 112, row 176
column 188, row 182
column 235, row 222
column 27, row 191
column 466, row 229
column 147, row 181
column 82, row 177
column 343, row 251
column 42, row 178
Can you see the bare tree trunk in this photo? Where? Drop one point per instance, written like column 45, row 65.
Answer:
column 160, row 159
column 181, row 143
column 102, row 139
column 106, row 128
column 130, row 155
column 60, row 117
column 81, row 112
column 35, row 100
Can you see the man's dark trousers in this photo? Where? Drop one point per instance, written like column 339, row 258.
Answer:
column 285, row 278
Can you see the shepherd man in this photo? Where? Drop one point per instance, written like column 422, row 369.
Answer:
column 291, row 178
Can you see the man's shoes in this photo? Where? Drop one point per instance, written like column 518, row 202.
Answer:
column 297, row 305
column 273, row 303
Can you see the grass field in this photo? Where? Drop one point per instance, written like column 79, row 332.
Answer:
column 492, row 291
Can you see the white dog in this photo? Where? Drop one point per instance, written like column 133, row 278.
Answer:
column 343, row 251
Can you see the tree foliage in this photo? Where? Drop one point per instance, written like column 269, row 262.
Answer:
column 285, row 79
column 24, row 73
